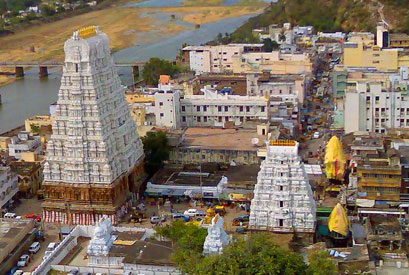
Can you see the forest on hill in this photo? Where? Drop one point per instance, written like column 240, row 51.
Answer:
column 329, row 16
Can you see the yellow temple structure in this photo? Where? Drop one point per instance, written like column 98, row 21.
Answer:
column 334, row 159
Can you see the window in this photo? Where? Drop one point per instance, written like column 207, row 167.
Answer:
column 241, row 119
column 183, row 109
column 263, row 109
column 183, row 118
column 226, row 108
column 161, row 114
column 281, row 188
column 281, row 202
column 76, row 68
column 219, row 119
column 377, row 98
column 281, row 222
column 241, row 108
column 205, row 119
column 198, row 119
column 219, row 108
column 198, row 108
column 247, row 108
column 204, row 108
column 160, row 103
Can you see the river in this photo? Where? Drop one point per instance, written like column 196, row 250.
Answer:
column 31, row 96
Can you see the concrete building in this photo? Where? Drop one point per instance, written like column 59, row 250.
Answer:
column 16, row 236
column 245, row 58
column 95, row 157
column 372, row 107
column 23, row 142
column 8, row 185
column 142, row 109
column 216, row 237
column 29, row 177
column 283, row 200
column 34, row 124
column 213, row 109
column 168, row 109
column 202, row 145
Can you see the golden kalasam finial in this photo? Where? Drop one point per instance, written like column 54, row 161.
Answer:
column 282, row 142
column 87, row 32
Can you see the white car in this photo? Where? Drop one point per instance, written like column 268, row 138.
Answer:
column 316, row 135
column 34, row 247
column 193, row 213
column 23, row 261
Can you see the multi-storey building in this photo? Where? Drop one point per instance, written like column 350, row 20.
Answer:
column 94, row 158
column 8, row 185
column 245, row 58
column 24, row 143
column 370, row 107
column 215, row 109
column 167, row 109
column 283, row 199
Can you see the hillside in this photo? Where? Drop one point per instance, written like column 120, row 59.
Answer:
column 330, row 15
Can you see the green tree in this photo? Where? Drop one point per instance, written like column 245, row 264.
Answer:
column 3, row 7
column 321, row 264
column 256, row 255
column 35, row 129
column 156, row 67
column 156, row 147
column 269, row 45
column 47, row 10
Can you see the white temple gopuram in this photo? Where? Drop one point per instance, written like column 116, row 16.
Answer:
column 283, row 200
column 95, row 156
column 216, row 237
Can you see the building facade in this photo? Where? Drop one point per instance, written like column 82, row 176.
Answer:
column 94, row 157
column 283, row 200
column 8, row 185
column 22, row 143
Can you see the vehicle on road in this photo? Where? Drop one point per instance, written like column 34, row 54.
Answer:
column 24, row 260
column 34, row 247
column 316, row 135
column 178, row 216
column 241, row 230
column 194, row 213
column 73, row 272
column 220, row 209
column 241, row 219
column 10, row 215
column 33, row 216
column 157, row 219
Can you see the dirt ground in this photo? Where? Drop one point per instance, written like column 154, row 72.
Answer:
column 124, row 26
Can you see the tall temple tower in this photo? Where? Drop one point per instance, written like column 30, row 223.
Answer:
column 283, row 200
column 94, row 158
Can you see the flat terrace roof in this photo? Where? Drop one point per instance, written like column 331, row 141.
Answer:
column 221, row 139
column 181, row 177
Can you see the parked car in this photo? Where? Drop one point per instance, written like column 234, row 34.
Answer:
column 316, row 135
column 18, row 272
column 10, row 215
column 34, row 247
column 194, row 213
column 33, row 216
column 51, row 246
column 24, row 260
column 13, row 270
column 178, row 216
column 241, row 219
column 157, row 219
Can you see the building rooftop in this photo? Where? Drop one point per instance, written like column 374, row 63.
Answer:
column 222, row 139
column 185, row 177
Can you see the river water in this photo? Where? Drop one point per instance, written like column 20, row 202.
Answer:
column 32, row 96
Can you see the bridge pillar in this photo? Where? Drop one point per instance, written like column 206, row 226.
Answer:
column 135, row 72
column 19, row 71
column 43, row 71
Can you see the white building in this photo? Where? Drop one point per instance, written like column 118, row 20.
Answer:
column 94, row 142
column 8, row 185
column 23, row 142
column 167, row 109
column 372, row 107
column 283, row 200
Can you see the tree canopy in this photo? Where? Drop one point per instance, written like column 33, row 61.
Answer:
column 255, row 254
column 156, row 147
column 156, row 67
